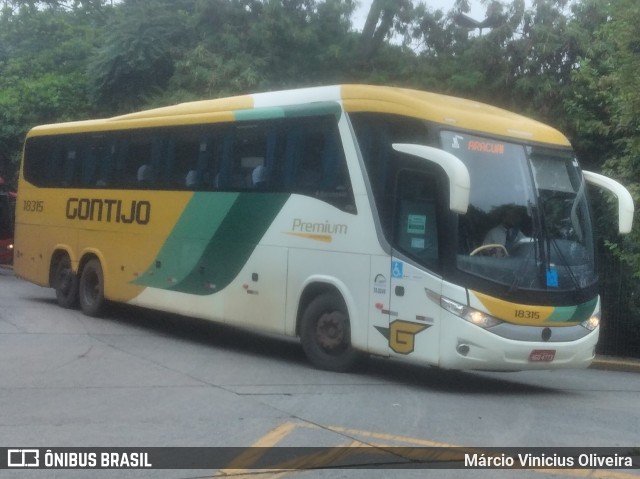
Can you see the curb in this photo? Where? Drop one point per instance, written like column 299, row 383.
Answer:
column 616, row 364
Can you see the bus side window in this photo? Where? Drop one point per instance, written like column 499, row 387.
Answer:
column 267, row 175
column 81, row 161
column 167, row 163
column 180, row 157
column 55, row 163
column 222, row 179
column 37, row 161
column 46, row 161
column 107, row 163
column 309, row 166
column 416, row 225
column 205, row 161
column 244, row 153
column 194, row 161
column 316, row 165
column 137, row 167
column 294, row 148
column 250, row 160
column 89, row 161
column 214, row 160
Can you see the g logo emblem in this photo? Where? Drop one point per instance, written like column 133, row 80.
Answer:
column 402, row 335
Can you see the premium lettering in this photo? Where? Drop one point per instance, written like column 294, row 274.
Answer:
column 109, row 210
column 324, row 228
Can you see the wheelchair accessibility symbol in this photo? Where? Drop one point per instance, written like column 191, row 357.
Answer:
column 397, row 269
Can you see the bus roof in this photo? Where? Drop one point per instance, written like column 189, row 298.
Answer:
column 442, row 109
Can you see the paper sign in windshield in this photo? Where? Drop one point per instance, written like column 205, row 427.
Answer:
column 416, row 224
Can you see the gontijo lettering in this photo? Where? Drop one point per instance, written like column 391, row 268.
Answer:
column 109, row 210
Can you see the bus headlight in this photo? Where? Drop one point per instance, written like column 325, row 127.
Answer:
column 472, row 315
column 592, row 323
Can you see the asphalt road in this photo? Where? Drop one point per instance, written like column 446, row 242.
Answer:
column 140, row 378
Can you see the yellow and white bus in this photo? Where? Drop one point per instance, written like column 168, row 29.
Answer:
column 362, row 219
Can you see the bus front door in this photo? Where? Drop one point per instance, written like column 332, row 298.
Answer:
column 414, row 319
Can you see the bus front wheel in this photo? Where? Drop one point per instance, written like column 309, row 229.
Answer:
column 91, row 288
column 65, row 283
column 326, row 333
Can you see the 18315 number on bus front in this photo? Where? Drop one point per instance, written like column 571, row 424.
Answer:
column 526, row 314
column 33, row 206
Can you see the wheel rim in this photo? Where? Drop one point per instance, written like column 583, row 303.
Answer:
column 332, row 332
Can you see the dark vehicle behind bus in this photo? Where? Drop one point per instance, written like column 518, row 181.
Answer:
column 7, row 210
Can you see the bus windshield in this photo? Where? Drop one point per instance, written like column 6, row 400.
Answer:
column 528, row 225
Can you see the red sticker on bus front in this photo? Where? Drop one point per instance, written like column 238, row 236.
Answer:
column 542, row 355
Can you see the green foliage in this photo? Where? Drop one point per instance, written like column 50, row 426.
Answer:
column 249, row 45
column 43, row 53
column 605, row 106
column 136, row 53
column 602, row 111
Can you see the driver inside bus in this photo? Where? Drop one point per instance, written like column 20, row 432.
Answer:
column 506, row 234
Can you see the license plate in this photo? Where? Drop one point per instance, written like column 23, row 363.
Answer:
column 542, row 355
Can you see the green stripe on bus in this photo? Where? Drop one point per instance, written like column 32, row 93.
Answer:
column 259, row 114
column 313, row 109
column 293, row 111
column 584, row 310
column 573, row 314
column 214, row 237
column 186, row 243
column 561, row 314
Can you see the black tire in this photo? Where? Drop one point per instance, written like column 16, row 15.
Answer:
column 326, row 334
column 91, row 288
column 65, row 282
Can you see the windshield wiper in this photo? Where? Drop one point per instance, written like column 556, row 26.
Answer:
column 536, row 237
column 521, row 271
column 566, row 264
column 575, row 222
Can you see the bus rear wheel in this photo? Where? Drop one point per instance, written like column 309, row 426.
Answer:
column 326, row 333
column 91, row 288
column 65, row 283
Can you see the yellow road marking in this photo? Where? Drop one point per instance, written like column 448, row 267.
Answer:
column 319, row 459
column 390, row 437
column 253, row 454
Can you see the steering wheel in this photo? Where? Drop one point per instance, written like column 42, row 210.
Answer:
column 485, row 247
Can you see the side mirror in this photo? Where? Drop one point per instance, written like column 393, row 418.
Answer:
column 625, row 201
column 456, row 170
